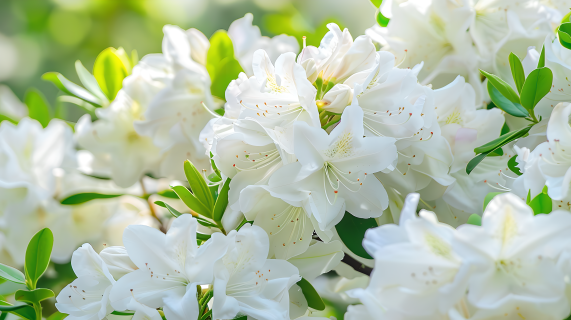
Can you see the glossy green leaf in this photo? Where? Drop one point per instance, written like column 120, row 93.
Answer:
column 564, row 33
column 198, row 184
column 221, row 47
column 227, row 70
column 512, row 163
column 517, row 71
column 513, row 108
column 109, row 70
column 89, row 82
column 503, row 87
column 80, row 198
column 57, row 316
column 214, row 167
column 502, row 140
column 172, row 210
column 381, row 19
column 33, row 296
column 474, row 219
column 203, row 237
column 38, row 107
column 489, row 198
column 475, row 162
column 314, row 301
column 206, row 223
column 352, row 230
column 541, row 61
column 191, row 201
column 221, row 201
column 38, row 256
column 213, row 177
column 168, row 194
column 542, row 203
column 377, row 3
column 24, row 311
column 119, row 313
column 70, row 88
column 11, row 274
column 537, row 85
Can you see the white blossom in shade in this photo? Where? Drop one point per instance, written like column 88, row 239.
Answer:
column 87, row 297
column 169, row 268
column 247, row 38
column 247, row 283
column 113, row 136
column 199, row 45
column 118, row 262
column 318, row 259
column 338, row 56
column 288, row 226
column 514, row 257
column 10, row 105
column 334, row 171
column 532, row 179
column 415, row 265
column 434, row 32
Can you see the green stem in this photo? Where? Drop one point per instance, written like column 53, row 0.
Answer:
column 38, row 309
column 206, row 315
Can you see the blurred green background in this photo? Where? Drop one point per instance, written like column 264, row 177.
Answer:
column 37, row 36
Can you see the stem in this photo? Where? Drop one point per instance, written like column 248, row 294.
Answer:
column 356, row 265
column 206, row 315
column 38, row 309
column 219, row 224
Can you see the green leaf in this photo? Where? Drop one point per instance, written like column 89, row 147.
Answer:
column 474, row 219
column 198, row 184
column 33, row 296
column 352, row 230
column 503, row 87
column 475, row 162
column 489, row 198
column 542, row 203
column 206, row 223
column 502, row 140
column 119, row 313
column 381, row 19
column 57, row 316
column 70, row 88
column 512, row 163
column 191, row 201
column 87, row 196
column 314, row 301
column 541, row 62
column 517, row 71
column 89, row 82
column 25, row 311
column 11, row 274
column 221, row 202
column 7, row 118
column 505, row 129
column 168, row 194
column 220, row 47
column 564, row 33
column 213, row 177
column 109, row 70
column 172, row 210
column 513, row 108
column 214, row 167
column 537, row 85
column 203, row 237
column 376, row 3
column 38, row 107
column 227, row 70
column 38, row 256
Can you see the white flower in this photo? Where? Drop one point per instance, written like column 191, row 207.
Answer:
column 10, row 105
column 514, row 256
column 169, row 268
column 117, row 260
column 338, row 56
column 415, row 265
column 247, row 39
column 334, row 171
column 113, row 137
column 87, row 297
column 248, row 283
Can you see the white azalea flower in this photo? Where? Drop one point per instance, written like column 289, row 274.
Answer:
column 247, row 39
column 318, row 259
column 338, row 56
column 87, row 297
column 248, row 283
column 415, row 264
column 169, row 268
column 515, row 256
column 334, row 171
column 117, row 260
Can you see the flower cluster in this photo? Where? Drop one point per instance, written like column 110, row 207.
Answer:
column 514, row 266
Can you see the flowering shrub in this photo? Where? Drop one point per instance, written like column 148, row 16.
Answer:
column 425, row 164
